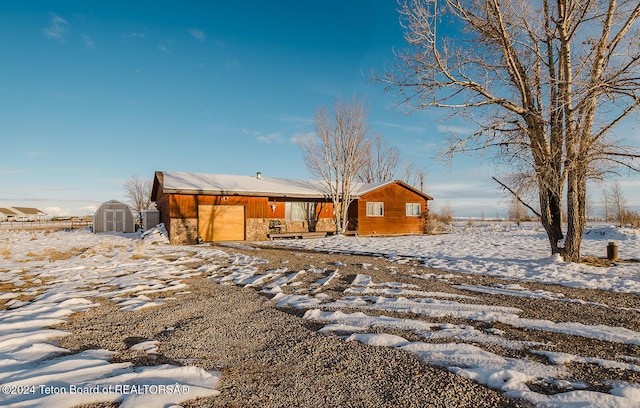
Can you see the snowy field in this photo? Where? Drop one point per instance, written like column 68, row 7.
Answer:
column 506, row 251
column 46, row 276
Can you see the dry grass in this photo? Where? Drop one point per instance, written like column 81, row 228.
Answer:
column 30, row 282
column 138, row 256
column 595, row 261
column 604, row 262
column 7, row 287
column 104, row 247
column 51, row 254
column 5, row 251
column 22, row 298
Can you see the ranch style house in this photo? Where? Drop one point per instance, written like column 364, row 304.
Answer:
column 198, row 207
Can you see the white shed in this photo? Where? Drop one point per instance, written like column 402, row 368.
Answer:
column 113, row 216
column 150, row 218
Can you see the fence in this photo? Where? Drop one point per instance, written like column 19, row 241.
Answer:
column 41, row 225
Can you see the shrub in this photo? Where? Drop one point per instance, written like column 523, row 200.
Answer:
column 437, row 223
column 631, row 218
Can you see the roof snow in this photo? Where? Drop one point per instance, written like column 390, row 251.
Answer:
column 225, row 184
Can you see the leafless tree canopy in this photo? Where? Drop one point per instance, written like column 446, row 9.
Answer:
column 382, row 162
column 545, row 82
column 413, row 175
column 138, row 193
column 337, row 153
column 617, row 201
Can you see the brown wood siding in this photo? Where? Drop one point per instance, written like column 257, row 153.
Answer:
column 395, row 219
column 162, row 204
column 325, row 210
column 278, row 211
column 255, row 207
column 183, row 206
column 186, row 206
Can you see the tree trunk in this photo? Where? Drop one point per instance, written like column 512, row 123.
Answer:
column 576, row 199
column 551, row 216
column 338, row 216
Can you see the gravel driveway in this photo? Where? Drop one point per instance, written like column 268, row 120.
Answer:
column 272, row 357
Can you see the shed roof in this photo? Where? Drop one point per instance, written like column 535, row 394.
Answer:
column 111, row 204
column 7, row 211
column 114, row 202
column 225, row 184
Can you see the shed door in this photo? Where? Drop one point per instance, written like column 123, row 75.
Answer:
column 114, row 220
column 221, row 222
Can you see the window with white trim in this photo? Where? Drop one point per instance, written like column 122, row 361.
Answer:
column 375, row 209
column 413, row 209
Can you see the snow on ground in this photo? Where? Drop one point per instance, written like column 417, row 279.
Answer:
column 45, row 277
column 505, row 251
column 49, row 276
column 514, row 252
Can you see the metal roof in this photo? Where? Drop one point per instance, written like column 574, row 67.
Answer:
column 225, row 184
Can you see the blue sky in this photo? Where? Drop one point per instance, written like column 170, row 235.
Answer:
column 94, row 92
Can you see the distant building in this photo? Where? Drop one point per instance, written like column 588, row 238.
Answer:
column 6, row 214
column 22, row 214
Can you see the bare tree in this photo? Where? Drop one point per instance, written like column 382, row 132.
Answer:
column 138, row 193
column 588, row 209
column 606, row 204
column 545, row 82
column 413, row 175
column 446, row 213
column 337, row 153
column 419, row 179
column 408, row 171
column 382, row 162
column 618, row 202
column 517, row 210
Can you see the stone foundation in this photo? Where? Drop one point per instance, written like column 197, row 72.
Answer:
column 257, row 229
column 322, row 225
column 326, row 225
column 184, row 231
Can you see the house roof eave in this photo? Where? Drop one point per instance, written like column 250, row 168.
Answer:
column 243, row 193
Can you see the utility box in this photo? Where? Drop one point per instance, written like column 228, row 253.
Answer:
column 150, row 218
column 612, row 251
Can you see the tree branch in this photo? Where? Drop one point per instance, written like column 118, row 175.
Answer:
column 516, row 195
